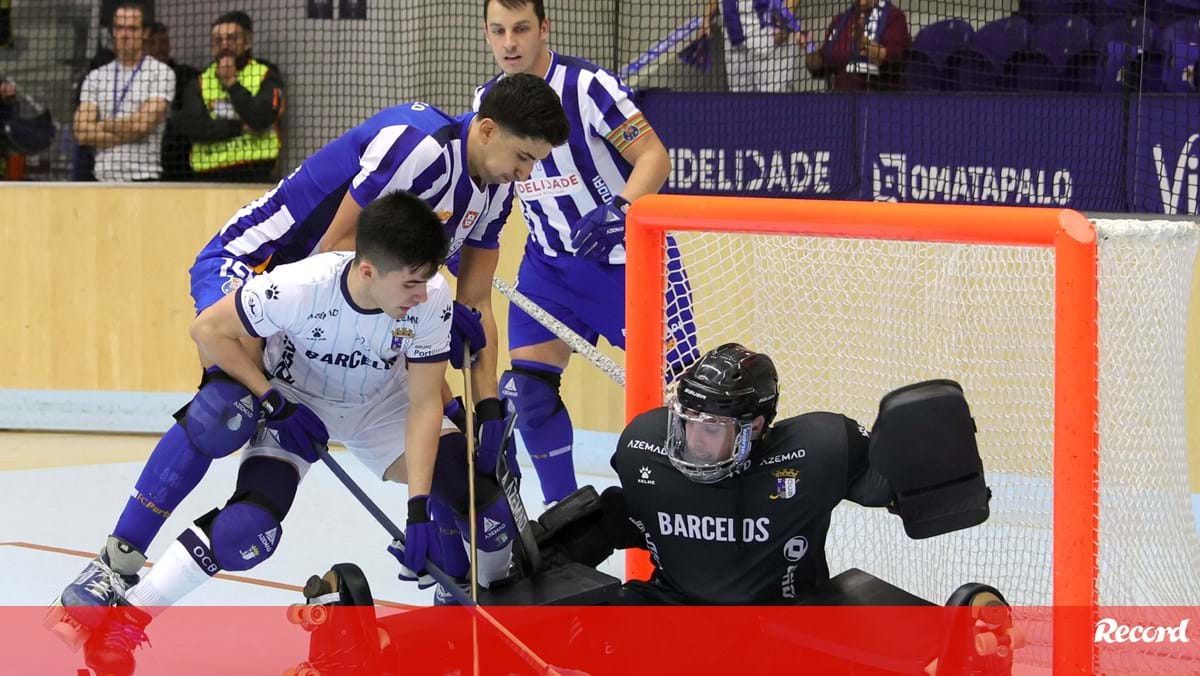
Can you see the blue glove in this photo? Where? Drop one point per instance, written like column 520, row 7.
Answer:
column 300, row 430
column 493, row 421
column 421, row 544
column 465, row 329
column 599, row 230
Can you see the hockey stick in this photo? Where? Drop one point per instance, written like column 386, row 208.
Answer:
column 576, row 342
column 390, row 526
column 473, row 551
column 434, row 571
column 469, row 410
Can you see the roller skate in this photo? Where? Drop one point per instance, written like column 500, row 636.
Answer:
column 981, row 639
column 108, row 650
column 339, row 614
column 86, row 603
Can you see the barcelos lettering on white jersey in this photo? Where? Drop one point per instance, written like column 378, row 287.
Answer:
column 322, row 344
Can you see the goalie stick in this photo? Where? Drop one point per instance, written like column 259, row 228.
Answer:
column 530, row 560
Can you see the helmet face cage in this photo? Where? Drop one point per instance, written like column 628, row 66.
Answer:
column 704, row 447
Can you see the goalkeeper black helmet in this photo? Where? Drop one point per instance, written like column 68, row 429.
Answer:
column 731, row 381
column 711, row 418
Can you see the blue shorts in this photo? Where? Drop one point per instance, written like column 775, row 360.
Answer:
column 589, row 297
column 212, row 277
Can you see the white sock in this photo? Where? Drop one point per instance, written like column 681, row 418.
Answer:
column 173, row 577
column 493, row 565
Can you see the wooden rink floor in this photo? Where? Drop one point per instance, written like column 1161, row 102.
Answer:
column 61, row 494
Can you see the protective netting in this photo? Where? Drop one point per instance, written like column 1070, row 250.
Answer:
column 1072, row 98
column 848, row 320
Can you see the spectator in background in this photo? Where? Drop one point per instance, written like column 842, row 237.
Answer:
column 123, row 105
column 8, row 100
column 864, row 47
column 762, row 42
column 231, row 115
column 8, row 111
column 175, row 145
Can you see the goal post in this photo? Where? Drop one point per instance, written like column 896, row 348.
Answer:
column 853, row 299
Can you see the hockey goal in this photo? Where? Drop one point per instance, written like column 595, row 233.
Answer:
column 1067, row 335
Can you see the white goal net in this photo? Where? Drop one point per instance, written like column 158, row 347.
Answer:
column 847, row 320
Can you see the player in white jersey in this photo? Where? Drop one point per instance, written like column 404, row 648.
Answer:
column 357, row 345
column 574, row 203
column 462, row 167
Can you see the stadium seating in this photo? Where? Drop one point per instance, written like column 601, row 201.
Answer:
column 930, row 58
column 986, row 64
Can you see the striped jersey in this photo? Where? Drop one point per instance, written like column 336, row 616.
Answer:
column 324, row 345
column 588, row 170
column 412, row 147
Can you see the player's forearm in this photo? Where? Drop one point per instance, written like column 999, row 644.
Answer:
column 483, row 374
column 227, row 353
column 650, row 172
column 476, row 271
column 343, row 228
column 421, row 436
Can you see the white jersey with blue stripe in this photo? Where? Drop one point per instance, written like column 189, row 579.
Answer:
column 588, row 170
column 327, row 347
column 412, row 147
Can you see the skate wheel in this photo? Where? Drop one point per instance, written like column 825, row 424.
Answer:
column 1016, row 638
column 986, row 644
column 306, row 615
column 316, row 617
column 295, row 615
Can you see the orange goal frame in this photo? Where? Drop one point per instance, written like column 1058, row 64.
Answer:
column 1076, row 370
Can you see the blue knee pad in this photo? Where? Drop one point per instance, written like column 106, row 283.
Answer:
column 222, row 417
column 244, row 534
column 532, row 393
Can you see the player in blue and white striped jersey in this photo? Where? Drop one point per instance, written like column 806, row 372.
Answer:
column 459, row 167
column 574, row 204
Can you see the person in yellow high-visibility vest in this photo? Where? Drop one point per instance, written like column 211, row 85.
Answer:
column 231, row 113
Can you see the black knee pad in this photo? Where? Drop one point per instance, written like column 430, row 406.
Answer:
column 450, row 476
column 533, row 395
